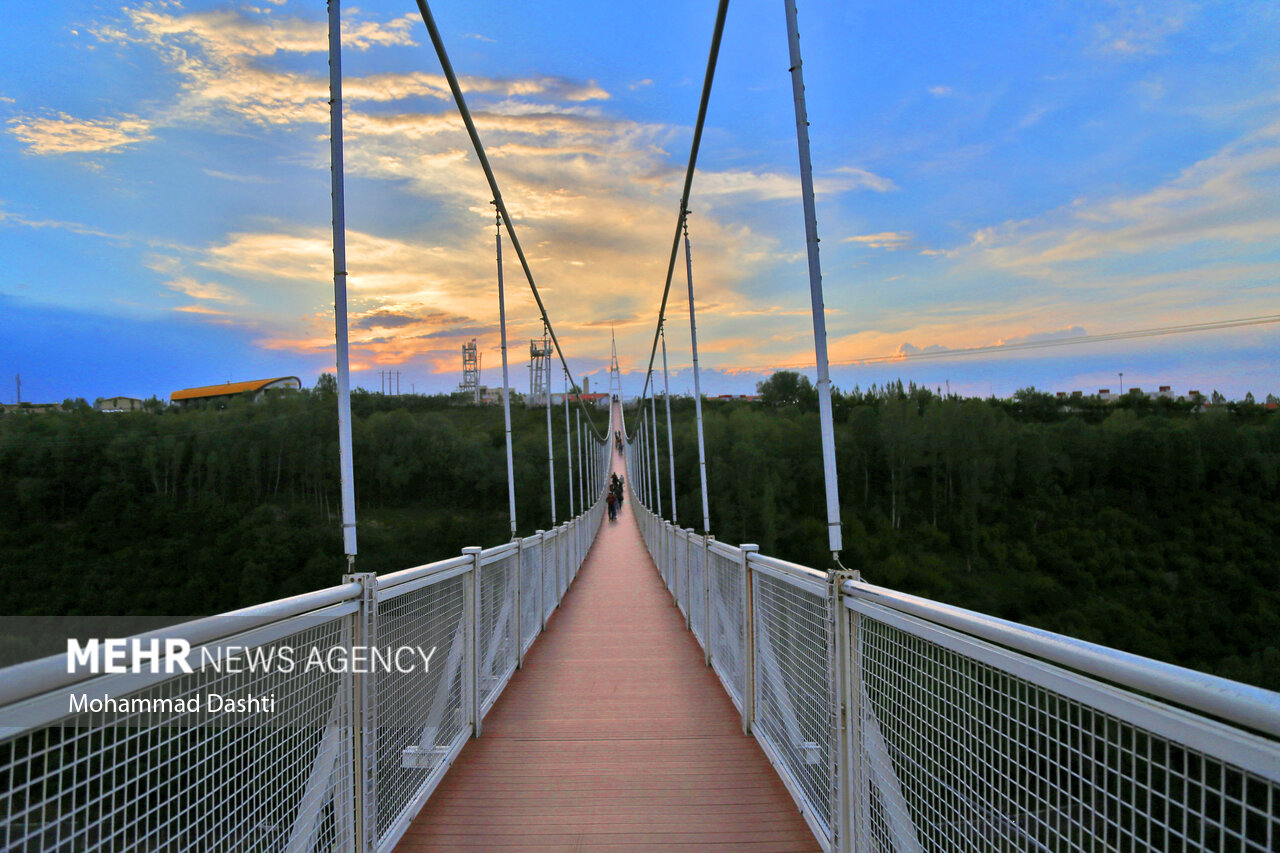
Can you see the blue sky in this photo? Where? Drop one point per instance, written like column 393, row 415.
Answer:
column 987, row 175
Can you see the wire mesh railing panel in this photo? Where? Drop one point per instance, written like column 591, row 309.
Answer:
column 530, row 587
column 679, row 565
column 421, row 715
column 964, row 751
column 166, row 768
column 497, row 652
column 563, row 556
column 724, row 582
column 793, row 690
column 549, row 582
column 697, row 586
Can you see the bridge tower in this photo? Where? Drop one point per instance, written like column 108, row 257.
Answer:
column 470, row 370
column 539, row 371
column 615, row 374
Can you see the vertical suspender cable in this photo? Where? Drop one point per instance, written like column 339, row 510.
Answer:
column 671, row 453
column 506, row 384
column 697, row 381
column 568, row 443
column 815, row 289
column 643, row 447
column 644, row 454
column 551, row 455
column 340, row 285
column 657, row 465
column 582, row 465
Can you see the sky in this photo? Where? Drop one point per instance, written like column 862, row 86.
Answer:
column 990, row 177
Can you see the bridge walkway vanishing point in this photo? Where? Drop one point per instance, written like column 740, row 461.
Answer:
column 615, row 736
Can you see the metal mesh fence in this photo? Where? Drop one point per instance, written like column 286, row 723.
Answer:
column 725, row 588
column 793, row 687
column 549, row 583
column 497, row 641
column 697, row 586
column 146, row 773
column 530, row 589
column 966, row 746
column 965, row 755
column 421, row 715
column 149, row 762
column 678, row 565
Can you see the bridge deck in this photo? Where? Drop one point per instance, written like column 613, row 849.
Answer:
column 615, row 736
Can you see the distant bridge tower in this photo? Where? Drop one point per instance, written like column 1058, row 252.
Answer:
column 470, row 370
column 539, row 371
column 615, row 374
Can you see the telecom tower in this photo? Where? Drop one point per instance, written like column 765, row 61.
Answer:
column 470, row 370
column 615, row 374
column 539, row 370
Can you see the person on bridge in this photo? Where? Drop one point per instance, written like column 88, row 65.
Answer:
column 613, row 506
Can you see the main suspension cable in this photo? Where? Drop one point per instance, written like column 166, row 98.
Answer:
column 461, row 102
column 710, row 74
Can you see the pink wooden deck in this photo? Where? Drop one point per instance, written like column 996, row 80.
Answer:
column 614, row 737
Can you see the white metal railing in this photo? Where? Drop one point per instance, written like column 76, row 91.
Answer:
column 901, row 724
column 343, row 761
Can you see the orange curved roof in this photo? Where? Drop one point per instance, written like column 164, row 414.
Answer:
column 228, row 388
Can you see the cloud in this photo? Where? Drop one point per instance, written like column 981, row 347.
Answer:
column 862, row 179
column 1139, row 28
column 941, row 91
column 908, row 350
column 640, row 84
column 188, row 286
column 64, row 134
column 222, row 60
column 237, row 178
column 7, row 218
column 892, row 240
column 1216, row 208
column 592, row 196
column 479, row 37
column 772, row 186
column 203, row 309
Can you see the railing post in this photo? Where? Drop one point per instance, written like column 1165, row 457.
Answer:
column 748, row 641
column 847, row 774
column 473, row 640
column 542, row 577
column 364, row 721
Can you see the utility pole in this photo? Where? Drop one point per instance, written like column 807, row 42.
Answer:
column 18, row 378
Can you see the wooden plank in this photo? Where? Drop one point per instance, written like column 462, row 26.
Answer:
column 614, row 737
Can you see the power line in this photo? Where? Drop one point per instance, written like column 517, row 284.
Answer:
column 932, row 355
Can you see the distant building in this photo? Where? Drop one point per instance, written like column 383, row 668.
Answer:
column 597, row 400
column 254, row 389
column 750, row 398
column 118, row 404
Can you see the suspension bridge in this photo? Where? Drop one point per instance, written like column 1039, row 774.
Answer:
column 625, row 685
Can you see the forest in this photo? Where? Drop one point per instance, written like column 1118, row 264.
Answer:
column 1148, row 525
